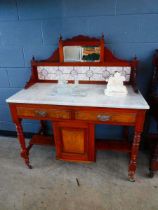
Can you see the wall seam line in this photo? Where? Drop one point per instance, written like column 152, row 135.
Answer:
column 116, row 7
column 23, row 55
column 8, row 77
column 42, row 35
column 17, row 9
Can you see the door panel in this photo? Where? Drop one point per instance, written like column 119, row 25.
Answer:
column 74, row 141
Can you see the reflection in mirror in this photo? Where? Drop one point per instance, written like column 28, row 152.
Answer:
column 81, row 53
column 91, row 53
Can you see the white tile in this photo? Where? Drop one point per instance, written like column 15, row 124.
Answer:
column 97, row 77
column 66, row 69
column 67, row 77
column 83, row 77
column 48, row 77
column 50, row 69
column 81, row 69
column 98, row 69
column 87, row 73
column 127, row 77
column 114, row 68
column 40, row 76
column 127, row 69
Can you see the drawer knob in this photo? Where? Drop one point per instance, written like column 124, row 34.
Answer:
column 41, row 113
column 103, row 117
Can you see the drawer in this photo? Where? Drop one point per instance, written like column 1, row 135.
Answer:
column 43, row 113
column 107, row 116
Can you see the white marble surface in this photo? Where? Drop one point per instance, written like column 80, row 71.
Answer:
column 41, row 93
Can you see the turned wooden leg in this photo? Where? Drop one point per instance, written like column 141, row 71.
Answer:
column 133, row 158
column 24, row 150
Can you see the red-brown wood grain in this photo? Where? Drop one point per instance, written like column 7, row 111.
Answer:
column 106, row 59
column 86, row 124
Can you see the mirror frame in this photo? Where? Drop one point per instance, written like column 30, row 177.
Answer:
column 82, row 41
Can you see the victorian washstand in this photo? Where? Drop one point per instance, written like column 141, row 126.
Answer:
column 74, row 116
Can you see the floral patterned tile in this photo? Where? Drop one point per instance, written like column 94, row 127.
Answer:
column 93, row 73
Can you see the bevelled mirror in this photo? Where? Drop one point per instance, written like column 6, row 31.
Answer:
column 81, row 53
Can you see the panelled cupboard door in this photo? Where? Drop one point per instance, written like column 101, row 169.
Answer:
column 74, row 141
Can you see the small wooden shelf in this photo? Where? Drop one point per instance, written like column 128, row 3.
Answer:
column 113, row 145
column 42, row 140
column 101, row 144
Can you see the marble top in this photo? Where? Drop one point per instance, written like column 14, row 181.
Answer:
column 43, row 93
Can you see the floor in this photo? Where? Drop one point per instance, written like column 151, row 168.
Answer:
column 57, row 185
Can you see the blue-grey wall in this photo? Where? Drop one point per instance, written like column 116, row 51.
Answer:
column 32, row 27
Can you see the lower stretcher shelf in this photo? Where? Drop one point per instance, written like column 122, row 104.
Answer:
column 100, row 144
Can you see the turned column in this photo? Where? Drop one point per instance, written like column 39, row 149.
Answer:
column 135, row 145
column 21, row 138
column 134, row 154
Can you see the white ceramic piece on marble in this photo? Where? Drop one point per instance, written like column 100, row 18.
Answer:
column 62, row 89
column 115, row 85
column 124, row 71
column 67, row 90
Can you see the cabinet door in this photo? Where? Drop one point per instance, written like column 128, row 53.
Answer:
column 74, row 141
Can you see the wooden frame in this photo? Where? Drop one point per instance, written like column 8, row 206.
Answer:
column 66, row 149
column 86, row 124
column 81, row 41
column 106, row 59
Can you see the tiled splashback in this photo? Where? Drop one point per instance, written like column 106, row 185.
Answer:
column 91, row 73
